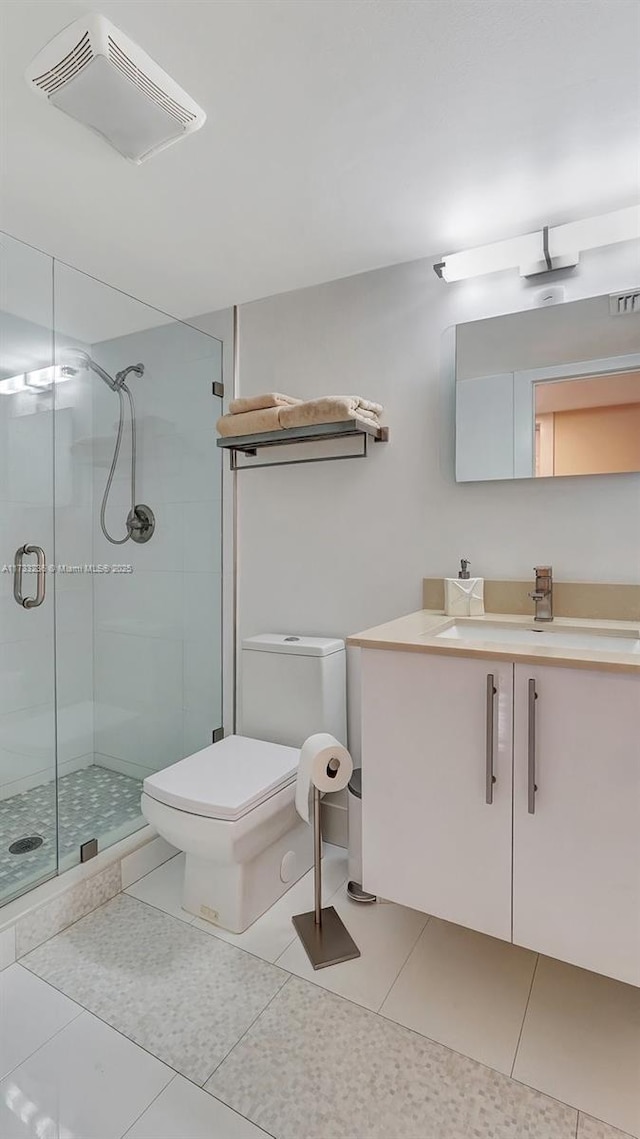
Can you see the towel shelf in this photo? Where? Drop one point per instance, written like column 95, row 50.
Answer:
column 249, row 445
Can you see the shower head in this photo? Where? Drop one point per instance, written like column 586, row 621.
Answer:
column 88, row 362
column 114, row 384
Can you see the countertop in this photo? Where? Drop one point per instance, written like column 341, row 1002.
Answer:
column 416, row 633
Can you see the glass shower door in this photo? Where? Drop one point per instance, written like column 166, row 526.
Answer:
column 28, row 796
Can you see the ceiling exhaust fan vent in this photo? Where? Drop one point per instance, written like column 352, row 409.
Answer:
column 625, row 304
column 77, row 58
column 93, row 72
column 120, row 59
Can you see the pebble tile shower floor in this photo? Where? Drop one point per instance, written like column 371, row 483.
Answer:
column 91, row 803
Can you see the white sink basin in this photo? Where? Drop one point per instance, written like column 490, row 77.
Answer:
column 547, row 636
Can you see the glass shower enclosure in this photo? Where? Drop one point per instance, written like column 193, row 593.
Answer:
column 110, row 559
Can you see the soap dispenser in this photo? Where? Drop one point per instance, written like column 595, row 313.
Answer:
column 464, row 595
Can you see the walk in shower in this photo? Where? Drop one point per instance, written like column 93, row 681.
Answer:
column 110, row 559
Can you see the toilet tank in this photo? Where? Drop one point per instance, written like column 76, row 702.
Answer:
column 291, row 687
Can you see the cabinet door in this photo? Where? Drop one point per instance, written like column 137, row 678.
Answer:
column 430, row 838
column 576, row 890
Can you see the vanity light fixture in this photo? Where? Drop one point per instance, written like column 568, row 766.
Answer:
column 545, row 250
column 42, row 380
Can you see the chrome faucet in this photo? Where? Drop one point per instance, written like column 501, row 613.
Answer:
column 543, row 593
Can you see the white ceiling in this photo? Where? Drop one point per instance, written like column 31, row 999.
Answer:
column 341, row 135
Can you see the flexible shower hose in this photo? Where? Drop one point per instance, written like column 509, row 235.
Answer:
column 114, row 463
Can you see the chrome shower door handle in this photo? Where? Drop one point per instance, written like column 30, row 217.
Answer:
column 489, row 776
column 41, row 571
column 531, row 769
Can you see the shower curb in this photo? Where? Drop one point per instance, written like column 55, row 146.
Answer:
column 48, row 909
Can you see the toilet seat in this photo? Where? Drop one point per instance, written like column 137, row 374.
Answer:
column 225, row 780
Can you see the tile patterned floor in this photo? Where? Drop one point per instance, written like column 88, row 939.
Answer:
column 280, row 1055
column 184, row 996
column 92, row 803
column 351, row 1073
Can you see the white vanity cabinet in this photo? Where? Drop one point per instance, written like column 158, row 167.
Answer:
column 548, row 856
column 434, row 736
column 576, row 842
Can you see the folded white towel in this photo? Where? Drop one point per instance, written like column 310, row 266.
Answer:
column 249, row 422
column 260, row 402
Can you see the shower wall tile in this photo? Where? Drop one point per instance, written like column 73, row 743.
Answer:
column 42, row 776
column 75, row 730
column 202, row 608
column 140, row 604
column 67, row 908
column 74, row 673
column 202, row 680
column 144, row 735
column 135, row 671
column 74, row 606
column 113, row 763
column 157, row 631
column 26, row 673
column 203, row 519
column 74, row 535
column 198, row 724
column 15, row 623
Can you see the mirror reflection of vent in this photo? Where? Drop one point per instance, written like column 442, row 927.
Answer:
column 625, row 304
column 121, row 60
column 65, row 70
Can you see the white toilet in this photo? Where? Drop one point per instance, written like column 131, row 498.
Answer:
column 230, row 807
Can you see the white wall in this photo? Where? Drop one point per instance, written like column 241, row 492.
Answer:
column 334, row 548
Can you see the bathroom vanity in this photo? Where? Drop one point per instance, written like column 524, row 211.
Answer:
column 501, row 779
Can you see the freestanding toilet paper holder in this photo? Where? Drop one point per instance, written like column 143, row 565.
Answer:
column 325, row 937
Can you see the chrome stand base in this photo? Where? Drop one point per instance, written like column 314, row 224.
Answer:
column 326, row 943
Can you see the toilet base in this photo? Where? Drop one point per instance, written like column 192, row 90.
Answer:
column 234, row 894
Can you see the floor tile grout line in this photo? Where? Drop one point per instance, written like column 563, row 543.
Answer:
column 176, row 1071
column 248, row 1029
column 185, row 920
column 81, row 1012
column 84, row 1011
column 577, row 1126
column 148, row 873
column 412, row 1032
column 524, row 1016
column 413, row 946
column 150, row 1104
column 98, row 1016
column 211, row 933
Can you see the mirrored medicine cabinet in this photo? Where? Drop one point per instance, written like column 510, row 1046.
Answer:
column 550, row 391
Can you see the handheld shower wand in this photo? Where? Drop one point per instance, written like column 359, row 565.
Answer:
column 140, row 519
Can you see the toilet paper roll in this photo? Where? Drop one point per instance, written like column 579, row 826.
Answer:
column 325, row 764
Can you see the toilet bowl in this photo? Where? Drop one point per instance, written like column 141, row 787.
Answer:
column 231, row 808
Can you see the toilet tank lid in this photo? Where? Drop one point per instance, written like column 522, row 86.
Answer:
column 298, row 645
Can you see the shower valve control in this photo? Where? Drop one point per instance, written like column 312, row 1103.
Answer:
column 141, row 523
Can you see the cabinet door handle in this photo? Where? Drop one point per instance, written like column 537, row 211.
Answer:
column 531, row 771
column 489, row 776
